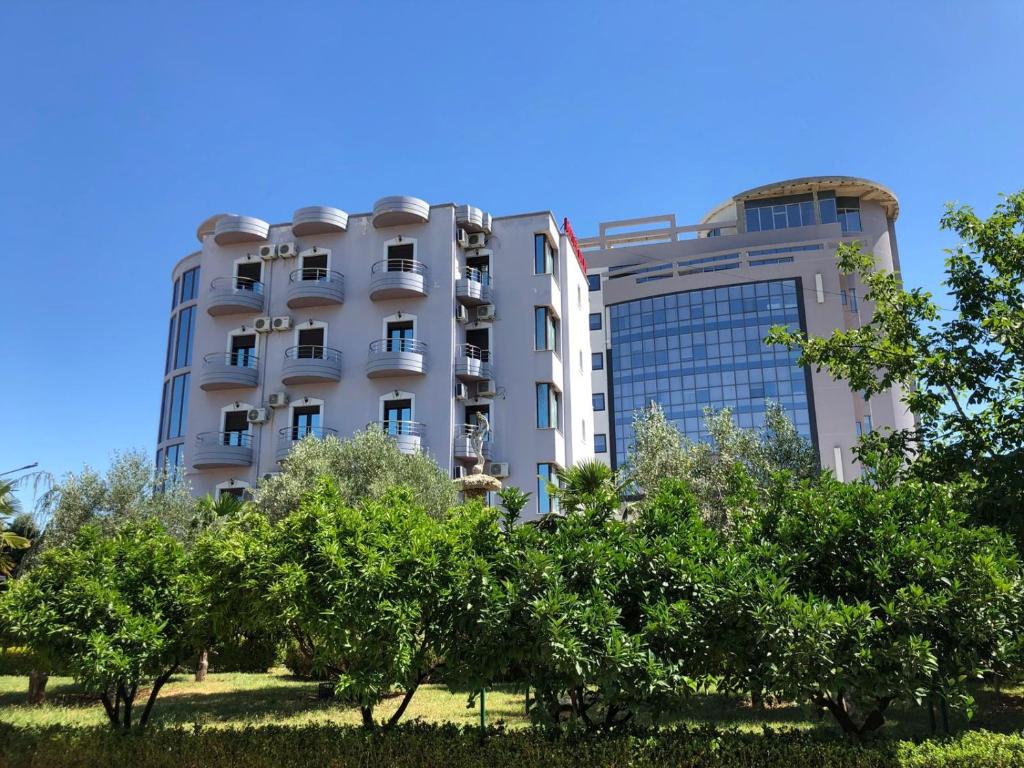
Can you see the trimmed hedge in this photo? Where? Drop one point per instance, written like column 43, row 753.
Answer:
column 425, row 746
column 20, row 661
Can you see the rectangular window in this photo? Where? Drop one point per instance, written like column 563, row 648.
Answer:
column 178, row 411
column 598, row 401
column 170, row 345
column 546, row 503
column 175, row 292
column 400, row 257
column 190, row 284
column 827, row 210
column 596, row 361
column 594, row 282
column 545, row 329
column 848, row 213
column 600, row 443
column 595, row 321
column 549, row 406
column 163, row 412
column 173, row 460
column 543, row 256
column 183, row 345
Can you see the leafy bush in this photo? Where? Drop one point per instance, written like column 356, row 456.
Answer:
column 17, row 661
column 244, row 654
column 300, row 663
column 449, row 747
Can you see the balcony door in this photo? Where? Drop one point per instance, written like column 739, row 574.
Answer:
column 305, row 421
column 243, row 350
column 400, row 257
column 314, row 267
column 399, row 335
column 247, row 273
column 397, row 415
column 311, row 343
column 236, row 428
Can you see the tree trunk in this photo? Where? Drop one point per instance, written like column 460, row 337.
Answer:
column 837, row 707
column 368, row 723
column 756, row 697
column 154, row 693
column 203, row 666
column 37, row 686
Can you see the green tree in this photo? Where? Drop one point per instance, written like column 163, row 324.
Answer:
column 114, row 610
column 366, row 466
column 960, row 372
column 852, row 597
column 10, row 540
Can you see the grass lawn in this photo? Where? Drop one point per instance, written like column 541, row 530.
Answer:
column 234, row 700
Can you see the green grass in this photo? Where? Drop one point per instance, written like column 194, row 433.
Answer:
column 235, row 700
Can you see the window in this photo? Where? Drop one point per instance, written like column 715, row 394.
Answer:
column 237, row 430
column 779, row 213
column 400, row 257
column 170, row 345
column 400, row 336
column 596, row 361
column 173, row 460
column 600, row 443
column 305, row 421
column 543, row 256
column 175, row 292
column 314, row 267
column 177, row 412
column 190, row 284
column 549, row 405
column 594, row 282
column 236, row 491
column 310, row 343
column 398, row 416
column 545, row 330
column 595, row 321
column 183, row 345
column 546, row 503
column 248, row 275
column 848, row 213
column 243, row 350
column 827, row 207
column 478, row 268
column 598, row 401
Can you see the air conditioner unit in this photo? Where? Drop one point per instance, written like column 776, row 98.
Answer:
column 458, row 472
column 461, row 238
column 486, row 388
column 484, row 313
column 461, row 391
column 263, row 325
column 498, row 469
column 477, row 240
column 257, row 415
column 461, row 314
column 268, row 252
column 287, row 250
column 277, row 399
column 282, row 323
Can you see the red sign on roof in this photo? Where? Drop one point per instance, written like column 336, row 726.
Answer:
column 567, row 227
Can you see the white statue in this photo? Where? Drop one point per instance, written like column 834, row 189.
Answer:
column 478, row 435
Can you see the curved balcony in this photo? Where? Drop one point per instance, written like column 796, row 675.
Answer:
column 232, row 228
column 407, row 434
column 289, row 436
column 469, row 218
column 397, row 279
column 396, row 357
column 396, row 210
column 472, row 363
column 222, row 449
column 474, row 287
column 318, row 220
column 311, row 364
column 315, row 287
column 228, row 370
column 235, row 295
column 464, row 450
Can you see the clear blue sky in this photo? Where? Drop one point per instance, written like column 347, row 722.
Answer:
column 126, row 124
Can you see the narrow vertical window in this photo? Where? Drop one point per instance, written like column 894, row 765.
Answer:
column 546, row 503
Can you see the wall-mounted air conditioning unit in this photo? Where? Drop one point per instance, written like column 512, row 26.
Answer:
column 461, row 238
column 282, row 323
column 287, row 250
column 498, row 469
column 477, row 240
column 257, row 415
column 263, row 325
column 268, row 252
column 277, row 399
column 458, row 472
column 461, row 314
column 461, row 391
column 485, row 313
column 486, row 388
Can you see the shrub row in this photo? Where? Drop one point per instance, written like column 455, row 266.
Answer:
column 450, row 747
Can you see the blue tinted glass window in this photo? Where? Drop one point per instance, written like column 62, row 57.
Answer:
column 594, row 282
column 595, row 321
column 183, row 346
column 540, row 316
column 596, row 361
column 598, row 401
column 705, row 348
column 546, row 503
column 753, row 220
column 827, row 209
column 190, row 284
column 600, row 443
column 170, row 345
column 175, row 292
column 543, row 256
column 543, row 420
column 178, row 411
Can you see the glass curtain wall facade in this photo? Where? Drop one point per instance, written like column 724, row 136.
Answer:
column 700, row 349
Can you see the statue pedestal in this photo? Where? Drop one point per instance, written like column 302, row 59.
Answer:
column 476, row 487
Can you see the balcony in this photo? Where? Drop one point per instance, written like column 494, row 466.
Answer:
column 231, row 229
column 474, row 287
column 398, row 210
column 398, row 279
column 464, row 450
column 407, row 434
column 396, row 357
column 235, row 295
column 222, row 449
column 472, row 219
column 472, row 363
column 315, row 287
column 229, row 370
column 288, row 437
column 318, row 220
column 311, row 364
